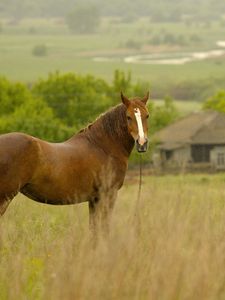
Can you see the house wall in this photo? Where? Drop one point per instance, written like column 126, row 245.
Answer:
column 217, row 157
column 182, row 155
column 176, row 157
column 214, row 159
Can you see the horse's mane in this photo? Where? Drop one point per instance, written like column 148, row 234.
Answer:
column 111, row 120
column 113, row 123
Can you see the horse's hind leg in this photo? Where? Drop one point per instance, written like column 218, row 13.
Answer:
column 4, row 203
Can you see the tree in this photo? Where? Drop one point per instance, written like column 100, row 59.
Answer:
column 216, row 102
column 12, row 95
column 83, row 19
column 36, row 118
column 163, row 115
column 122, row 81
column 74, row 99
column 39, row 50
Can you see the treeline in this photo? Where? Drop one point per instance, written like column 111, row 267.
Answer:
column 57, row 107
column 192, row 89
column 162, row 10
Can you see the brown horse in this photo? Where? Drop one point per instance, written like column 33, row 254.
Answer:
column 90, row 166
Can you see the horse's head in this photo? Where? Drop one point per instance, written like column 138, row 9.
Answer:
column 137, row 120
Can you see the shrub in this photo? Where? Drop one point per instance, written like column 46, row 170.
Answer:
column 195, row 38
column 216, row 102
column 74, row 99
column 32, row 30
column 155, row 40
column 164, row 115
column 12, row 95
column 36, row 118
column 132, row 44
column 39, row 50
column 129, row 17
column 83, row 19
column 169, row 38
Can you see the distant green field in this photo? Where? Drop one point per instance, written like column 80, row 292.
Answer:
column 75, row 53
column 183, row 107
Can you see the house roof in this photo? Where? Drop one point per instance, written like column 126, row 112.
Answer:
column 205, row 127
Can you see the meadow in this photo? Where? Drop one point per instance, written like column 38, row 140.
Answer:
column 183, row 107
column 114, row 40
column 177, row 252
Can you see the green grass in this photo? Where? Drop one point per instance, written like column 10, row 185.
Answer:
column 178, row 252
column 183, row 107
column 74, row 52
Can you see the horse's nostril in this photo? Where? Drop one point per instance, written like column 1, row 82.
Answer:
column 141, row 148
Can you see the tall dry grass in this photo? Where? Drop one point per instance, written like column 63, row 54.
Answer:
column 178, row 252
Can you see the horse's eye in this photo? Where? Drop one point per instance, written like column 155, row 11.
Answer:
column 147, row 116
column 129, row 118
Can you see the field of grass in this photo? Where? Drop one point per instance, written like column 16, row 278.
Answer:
column 183, row 107
column 75, row 53
column 178, row 252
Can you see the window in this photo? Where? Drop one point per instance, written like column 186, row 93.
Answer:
column 168, row 154
column 201, row 153
column 221, row 159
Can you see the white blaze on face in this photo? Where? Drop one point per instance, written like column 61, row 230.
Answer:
column 141, row 134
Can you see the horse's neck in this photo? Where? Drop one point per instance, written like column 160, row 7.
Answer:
column 111, row 135
column 119, row 143
column 122, row 143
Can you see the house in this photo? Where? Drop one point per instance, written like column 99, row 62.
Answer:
column 197, row 139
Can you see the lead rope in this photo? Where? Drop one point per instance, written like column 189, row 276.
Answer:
column 137, row 220
column 140, row 182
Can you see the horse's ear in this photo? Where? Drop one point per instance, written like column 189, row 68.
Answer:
column 125, row 100
column 146, row 97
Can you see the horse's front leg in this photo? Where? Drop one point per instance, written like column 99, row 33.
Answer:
column 108, row 203
column 100, row 213
column 93, row 218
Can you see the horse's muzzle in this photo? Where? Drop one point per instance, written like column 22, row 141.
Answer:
column 142, row 148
